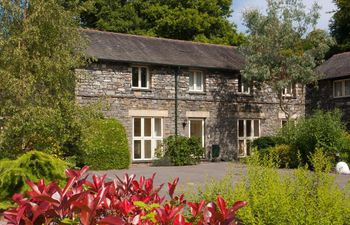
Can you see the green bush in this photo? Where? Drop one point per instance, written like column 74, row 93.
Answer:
column 264, row 142
column 288, row 197
column 33, row 165
column 181, row 150
column 321, row 130
column 105, row 145
column 284, row 155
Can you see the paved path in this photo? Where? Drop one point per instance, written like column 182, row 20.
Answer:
column 195, row 175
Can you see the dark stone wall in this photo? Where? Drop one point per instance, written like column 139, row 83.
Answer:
column 111, row 84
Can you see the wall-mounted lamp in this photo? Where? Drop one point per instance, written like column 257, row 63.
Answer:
column 184, row 123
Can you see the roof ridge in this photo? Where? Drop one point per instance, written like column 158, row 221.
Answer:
column 159, row 38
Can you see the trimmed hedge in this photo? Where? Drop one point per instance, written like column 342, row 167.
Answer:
column 33, row 165
column 105, row 145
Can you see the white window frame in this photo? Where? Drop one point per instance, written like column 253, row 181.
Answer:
column 139, row 86
column 245, row 138
column 242, row 86
column 153, row 138
column 343, row 88
column 289, row 91
column 196, row 75
column 203, row 127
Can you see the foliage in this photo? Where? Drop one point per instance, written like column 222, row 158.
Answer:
column 284, row 156
column 204, row 20
column 122, row 201
column 285, row 197
column 105, row 145
column 321, row 130
column 32, row 165
column 40, row 47
column 283, row 47
column 340, row 27
column 181, row 150
column 264, row 142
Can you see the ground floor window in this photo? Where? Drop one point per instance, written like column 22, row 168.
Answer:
column 248, row 130
column 196, row 129
column 147, row 136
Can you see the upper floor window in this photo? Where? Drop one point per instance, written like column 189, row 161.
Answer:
column 196, row 81
column 243, row 88
column 140, row 77
column 289, row 91
column 341, row 88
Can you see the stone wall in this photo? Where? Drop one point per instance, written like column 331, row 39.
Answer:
column 221, row 103
column 321, row 97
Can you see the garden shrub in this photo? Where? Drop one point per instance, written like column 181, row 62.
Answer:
column 284, row 155
column 122, row 201
column 43, row 129
column 33, row 165
column 264, row 142
column 285, row 197
column 105, row 145
column 181, row 150
column 321, row 130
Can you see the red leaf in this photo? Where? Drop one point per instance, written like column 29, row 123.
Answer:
column 237, row 205
column 179, row 220
column 111, row 220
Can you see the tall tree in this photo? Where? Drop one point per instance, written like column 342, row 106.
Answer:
column 283, row 47
column 340, row 26
column 40, row 46
column 197, row 20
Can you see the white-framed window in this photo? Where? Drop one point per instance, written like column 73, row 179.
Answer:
column 289, row 91
column 196, row 129
column 341, row 88
column 248, row 130
column 243, row 88
column 147, row 136
column 140, row 77
column 196, row 81
column 285, row 122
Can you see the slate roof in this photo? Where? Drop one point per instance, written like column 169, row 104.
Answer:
column 140, row 49
column 337, row 66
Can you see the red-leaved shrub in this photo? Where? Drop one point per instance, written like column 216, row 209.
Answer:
column 121, row 201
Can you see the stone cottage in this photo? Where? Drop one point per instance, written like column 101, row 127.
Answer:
column 158, row 87
column 333, row 89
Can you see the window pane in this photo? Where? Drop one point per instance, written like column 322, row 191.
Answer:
column 191, row 83
column 347, row 87
column 135, row 76
column 245, row 88
column 147, row 127
column 248, row 124
column 248, row 147
column 338, row 88
column 157, row 127
column 137, row 127
column 148, row 151
column 239, row 84
column 241, row 128
column 256, row 128
column 137, row 149
column 241, row 147
column 199, row 82
column 143, row 77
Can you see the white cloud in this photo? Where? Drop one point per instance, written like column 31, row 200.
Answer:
column 240, row 5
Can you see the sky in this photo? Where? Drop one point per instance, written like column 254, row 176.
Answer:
column 239, row 6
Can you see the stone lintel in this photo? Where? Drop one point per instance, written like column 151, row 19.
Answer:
column 148, row 113
column 245, row 115
column 197, row 114
column 282, row 115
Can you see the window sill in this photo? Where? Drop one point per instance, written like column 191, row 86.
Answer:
column 339, row 97
column 244, row 94
column 196, row 92
column 141, row 89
